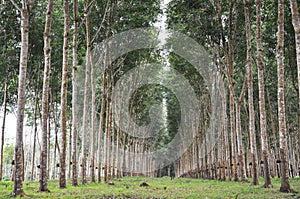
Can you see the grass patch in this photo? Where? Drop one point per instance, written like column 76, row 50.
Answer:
column 160, row 188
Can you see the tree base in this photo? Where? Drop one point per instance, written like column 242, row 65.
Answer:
column 254, row 183
column 245, row 180
column 44, row 190
column 22, row 195
column 268, row 185
column 287, row 190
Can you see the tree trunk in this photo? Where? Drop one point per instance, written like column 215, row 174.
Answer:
column 3, row 129
column 241, row 154
column 285, row 183
column 103, row 100
column 35, row 135
column 56, row 145
column 230, row 63
column 74, row 96
column 86, row 99
column 253, row 150
column 93, row 114
column 18, row 179
column 296, row 24
column 45, row 100
column 64, row 85
column 261, row 88
column 70, row 149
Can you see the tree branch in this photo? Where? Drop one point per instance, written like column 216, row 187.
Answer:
column 16, row 5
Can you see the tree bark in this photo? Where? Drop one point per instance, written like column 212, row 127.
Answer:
column 3, row 128
column 18, row 178
column 296, row 25
column 285, row 183
column 93, row 114
column 86, row 99
column 261, row 88
column 64, row 84
column 253, row 149
column 45, row 99
column 74, row 97
column 240, row 147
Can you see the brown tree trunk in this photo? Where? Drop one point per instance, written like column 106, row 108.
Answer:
column 45, row 100
column 64, row 85
column 261, row 88
column 285, row 183
column 253, row 150
column 74, row 96
column 296, row 25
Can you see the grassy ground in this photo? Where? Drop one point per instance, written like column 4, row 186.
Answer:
column 128, row 187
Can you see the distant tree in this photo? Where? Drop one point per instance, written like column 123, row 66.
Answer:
column 3, row 127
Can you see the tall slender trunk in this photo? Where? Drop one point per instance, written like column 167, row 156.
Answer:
column 74, row 96
column 93, row 114
column 35, row 135
column 64, row 85
column 18, row 178
column 253, row 150
column 70, row 150
column 240, row 147
column 230, row 76
column 107, row 133
column 285, row 183
column 296, row 25
column 3, row 128
column 261, row 88
column 103, row 100
column 56, row 146
column 86, row 99
column 45, row 99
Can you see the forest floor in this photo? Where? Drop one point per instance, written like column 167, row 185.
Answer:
column 159, row 188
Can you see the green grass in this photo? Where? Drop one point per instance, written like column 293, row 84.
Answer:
column 128, row 187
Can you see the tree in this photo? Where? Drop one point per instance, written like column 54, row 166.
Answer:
column 64, row 84
column 296, row 24
column 3, row 127
column 285, row 183
column 18, row 157
column 74, row 96
column 45, row 99
column 231, row 90
column 247, row 4
column 86, row 97
column 261, row 84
